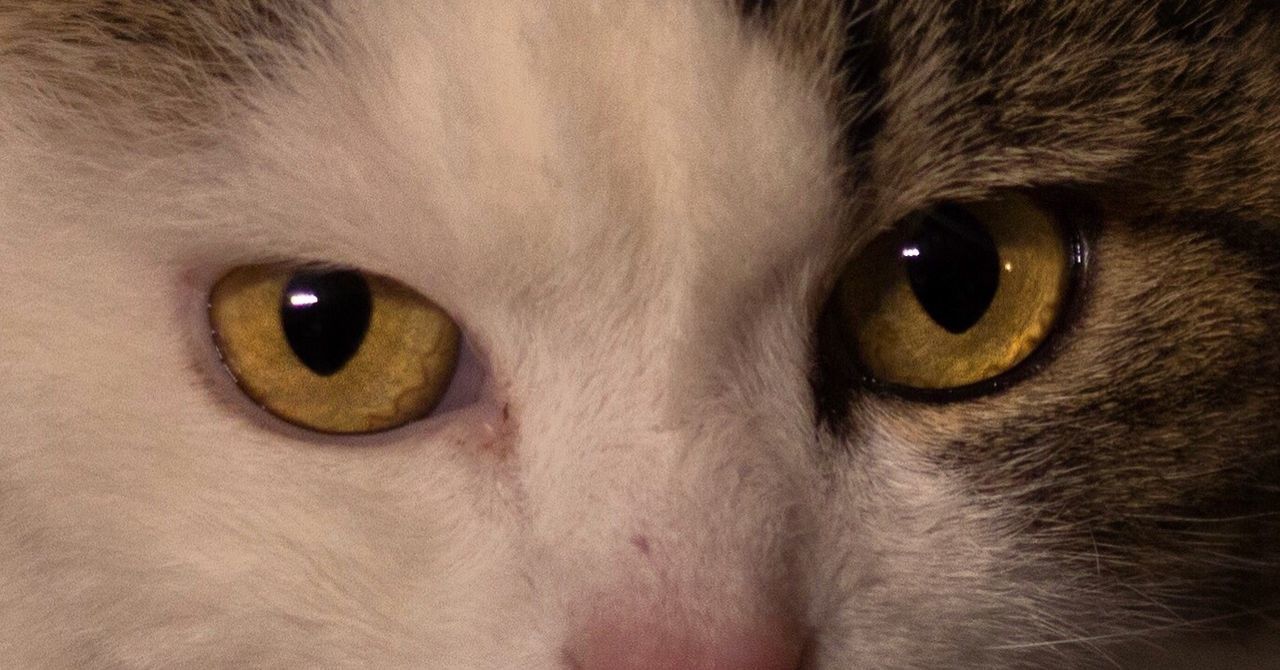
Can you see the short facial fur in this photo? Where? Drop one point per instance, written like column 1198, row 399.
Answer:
column 636, row 212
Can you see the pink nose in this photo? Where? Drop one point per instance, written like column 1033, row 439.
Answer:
column 630, row 648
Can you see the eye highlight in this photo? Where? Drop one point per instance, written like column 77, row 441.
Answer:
column 956, row 295
column 333, row 351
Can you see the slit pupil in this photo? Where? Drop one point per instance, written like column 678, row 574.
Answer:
column 953, row 265
column 326, row 316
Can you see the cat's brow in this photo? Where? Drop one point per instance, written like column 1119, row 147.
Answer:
column 169, row 64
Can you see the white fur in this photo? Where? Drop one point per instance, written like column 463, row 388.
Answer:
column 630, row 210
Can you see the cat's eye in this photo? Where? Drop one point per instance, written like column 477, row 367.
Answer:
column 335, row 351
column 956, row 295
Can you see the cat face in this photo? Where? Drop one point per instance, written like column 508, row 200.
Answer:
column 663, row 444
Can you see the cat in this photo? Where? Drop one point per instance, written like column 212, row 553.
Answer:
column 680, row 415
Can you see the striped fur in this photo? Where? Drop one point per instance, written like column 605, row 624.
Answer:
column 636, row 211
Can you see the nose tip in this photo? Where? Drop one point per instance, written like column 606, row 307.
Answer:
column 614, row 647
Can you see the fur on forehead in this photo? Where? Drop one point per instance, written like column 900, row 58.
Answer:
column 959, row 97
column 486, row 119
column 1174, row 106
column 125, row 69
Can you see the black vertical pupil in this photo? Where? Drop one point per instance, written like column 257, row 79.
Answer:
column 953, row 266
column 325, row 317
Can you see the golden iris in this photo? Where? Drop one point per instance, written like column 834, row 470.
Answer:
column 335, row 351
column 957, row 294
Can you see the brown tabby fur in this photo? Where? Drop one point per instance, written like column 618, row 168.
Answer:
column 1143, row 452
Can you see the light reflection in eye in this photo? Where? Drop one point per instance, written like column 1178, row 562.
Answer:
column 339, row 351
column 911, row 252
column 303, row 299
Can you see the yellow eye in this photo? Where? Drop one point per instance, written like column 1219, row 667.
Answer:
column 956, row 295
column 333, row 351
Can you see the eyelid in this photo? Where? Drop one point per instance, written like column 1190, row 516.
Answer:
column 397, row 372
column 1066, row 212
column 469, row 379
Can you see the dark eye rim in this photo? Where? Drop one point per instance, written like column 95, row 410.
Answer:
column 265, row 417
column 1079, row 218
